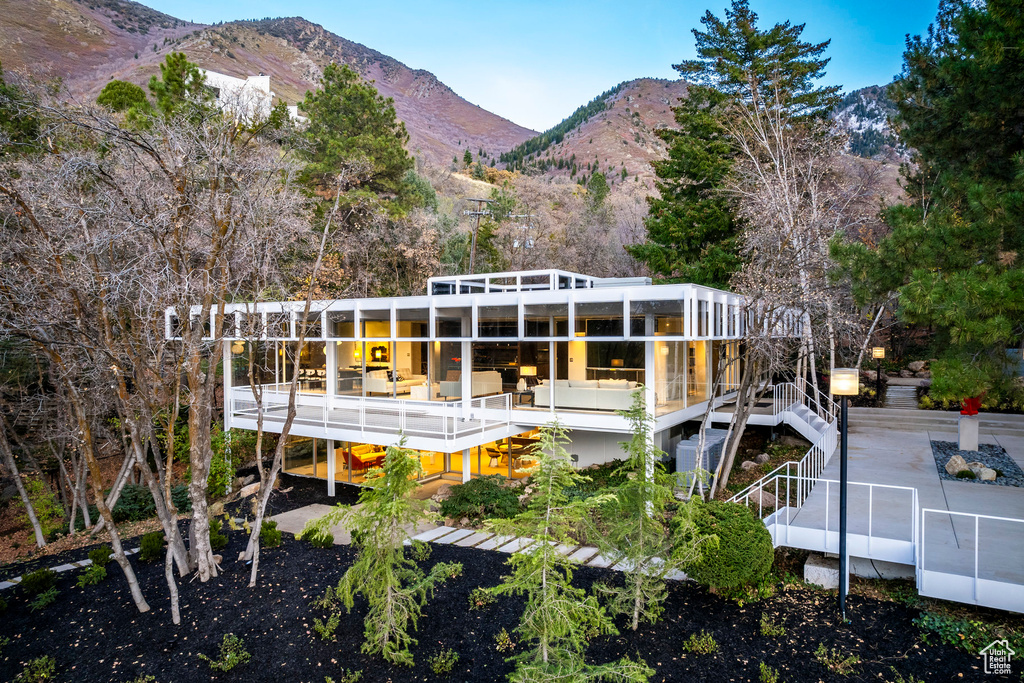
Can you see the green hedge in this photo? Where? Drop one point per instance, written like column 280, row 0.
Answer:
column 484, row 497
column 744, row 552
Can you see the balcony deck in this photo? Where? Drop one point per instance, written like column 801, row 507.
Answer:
column 447, row 426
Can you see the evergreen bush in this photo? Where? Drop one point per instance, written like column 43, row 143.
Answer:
column 38, row 670
column 39, row 581
column 152, row 547
column 270, row 535
column 100, row 557
column 743, row 554
column 482, row 498
column 218, row 539
column 91, row 576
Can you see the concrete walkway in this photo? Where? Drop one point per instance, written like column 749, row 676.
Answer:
column 294, row 521
column 884, row 452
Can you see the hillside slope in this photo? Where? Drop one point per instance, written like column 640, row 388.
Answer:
column 614, row 133
column 88, row 42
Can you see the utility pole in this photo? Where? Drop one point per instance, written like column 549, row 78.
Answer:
column 480, row 211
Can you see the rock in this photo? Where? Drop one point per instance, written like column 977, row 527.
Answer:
column 906, row 374
column 956, row 464
column 249, row 490
column 444, row 492
column 787, row 440
column 217, row 509
column 974, row 465
column 763, row 499
column 515, row 484
column 870, row 375
column 748, row 465
column 218, row 559
column 985, row 474
column 916, row 366
column 762, row 458
column 522, row 498
column 924, row 374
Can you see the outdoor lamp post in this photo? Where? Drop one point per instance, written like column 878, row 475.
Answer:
column 845, row 382
column 878, row 353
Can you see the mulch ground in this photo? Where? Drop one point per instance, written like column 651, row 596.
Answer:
column 95, row 633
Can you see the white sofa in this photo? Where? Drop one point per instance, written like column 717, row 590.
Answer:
column 589, row 394
column 484, row 383
column 376, row 382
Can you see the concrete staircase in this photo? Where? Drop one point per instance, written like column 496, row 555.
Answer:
column 863, row 420
column 807, row 422
column 901, row 397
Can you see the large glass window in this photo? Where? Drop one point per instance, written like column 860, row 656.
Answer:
column 546, row 320
column 498, row 321
column 451, row 323
column 670, row 375
column 697, row 371
column 342, row 324
column 349, row 355
column 657, row 318
column 376, row 324
column 599, row 319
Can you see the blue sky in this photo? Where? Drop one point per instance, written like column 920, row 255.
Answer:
column 535, row 62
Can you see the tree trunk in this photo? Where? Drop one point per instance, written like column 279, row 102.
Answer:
column 5, row 446
column 871, row 332
column 171, row 585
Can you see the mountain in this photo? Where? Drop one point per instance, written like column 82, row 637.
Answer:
column 614, row 133
column 88, row 42
column 865, row 115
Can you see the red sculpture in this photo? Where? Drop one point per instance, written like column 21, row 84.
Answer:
column 970, row 406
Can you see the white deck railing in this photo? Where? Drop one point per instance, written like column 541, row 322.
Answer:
column 984, row 583
column 446, row 420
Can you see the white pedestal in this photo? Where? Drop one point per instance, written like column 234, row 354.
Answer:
column 968, row 430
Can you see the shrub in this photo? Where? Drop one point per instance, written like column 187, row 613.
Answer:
column 270, row 535
column 218, row 540
column 319, row 539
column 3, row 604
column 443, row 662
column 484, row 497
column 480, row 598
column 49, row 513
column 503, row 641
column 967, row 634
column 4, row 642
column 835, row 661
column 898, row 677
column 743, row 554
column 100, row 557
column 144, row 678
column 134, row 504
column 702, row 643
column 420, row 551
column 39, row 581
column 966, row 474
column 347, row 676
column 152, row 547
column 44, row 599
column 768, row 674
column 327, row 628
column 92, row 575
column 232, row 653
column 37, row 670
column 770, row 629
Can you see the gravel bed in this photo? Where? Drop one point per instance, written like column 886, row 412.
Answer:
column 992, row 455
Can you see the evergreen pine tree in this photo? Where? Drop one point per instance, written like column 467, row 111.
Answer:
column 691, row 232
column 349, row 122
column 467, row 158
column 559, row 619
column 632, row 529
column 394, row 586
column 180, row 81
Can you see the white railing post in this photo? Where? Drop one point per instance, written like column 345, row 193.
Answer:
column 977, row 544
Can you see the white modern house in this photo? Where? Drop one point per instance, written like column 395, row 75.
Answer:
column 469, row 371
column 249, row 97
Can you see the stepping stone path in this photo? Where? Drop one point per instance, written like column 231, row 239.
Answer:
column 60, row 569
column 483, row 540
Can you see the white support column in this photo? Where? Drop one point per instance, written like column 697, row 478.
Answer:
column 467, row 373
column 331, row 383
column 465, row 465
column 552, row 347
column 330, row 467
column 228, row 403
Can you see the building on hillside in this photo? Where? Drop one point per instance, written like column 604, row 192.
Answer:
column 468, row 372
column 249, row 97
